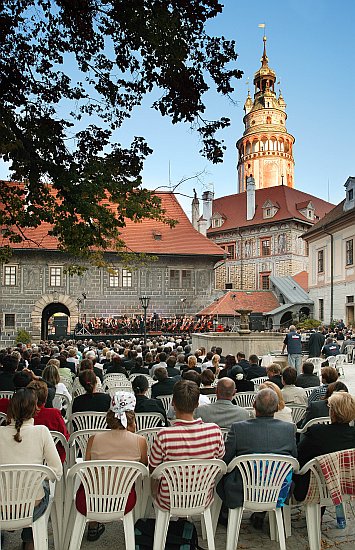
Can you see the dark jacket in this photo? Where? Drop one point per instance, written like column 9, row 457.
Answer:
column 163, row 388
column 315, row 344
column 307, row 381
column 244, row 385
column 117, row 370
column 244, row 364
column 172, row 371
column 144, row 404
column 316, row 409
column 277, row 379
column 255, row 371
column 7, row 381
column 96, row 402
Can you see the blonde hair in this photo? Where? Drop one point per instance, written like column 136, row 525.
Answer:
column 215, row 360
column 192, row 361
column 272, row 386
column 342, row 407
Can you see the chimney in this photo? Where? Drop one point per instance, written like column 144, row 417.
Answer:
column 202, row 226
column 207, row 197
column 195, row 211
column 250, row 197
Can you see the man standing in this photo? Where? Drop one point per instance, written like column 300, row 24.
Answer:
column 294, row 348
column 316, row 342
column 222, row 412
column 264, row 434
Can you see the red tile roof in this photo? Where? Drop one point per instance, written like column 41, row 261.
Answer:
column 258, row 301
column 234, row 208
column 148, row 236
column 302, row 279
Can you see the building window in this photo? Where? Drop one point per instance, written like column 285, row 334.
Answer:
column 350, row 194
column 349, row 299
column 126, row 278
column 55, row 276
column 9, row 320
column 180, row 278
column 266, row 247
column 321, row 309
column 10, row 275
column 230, row 249
column 217, row 222
column 113, row 279
column 349, row 249
column 320, row 261
column 265, row 281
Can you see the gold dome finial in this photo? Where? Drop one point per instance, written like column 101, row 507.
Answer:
column 264, row 60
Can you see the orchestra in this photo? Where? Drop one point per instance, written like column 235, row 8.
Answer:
column 135, row 325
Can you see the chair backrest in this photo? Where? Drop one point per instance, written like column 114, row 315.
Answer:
column 319, row 420
column 88, row 421
column 6, row 394
column 298, row 411
column 166, row 400
column 190, row 483
column 332, row 360
column 149, row 434
column 245, row 399
column 19, row 486
column 78, row 442
column 212, row 397
column 58, row 437
column 63, row 403
column 225, row 432
column 316, row 361
column 127, row 387
column 107, row 485
column 259, row 381
column 263, row 476
column 340, row 359
column 310, row 390
column 3, row 419
column 68, row 383
column 77, row 388
column 113, row 380
column 148, row 420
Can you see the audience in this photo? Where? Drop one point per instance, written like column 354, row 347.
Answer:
column 143, row 402
column 164, row 385
column 254, row 370
column 329, row 375
column 283, row 413
column 273, row 372
column 222, row 412
column 319, row 408
column 307, row 379
column 91, row 400
column 290, row 392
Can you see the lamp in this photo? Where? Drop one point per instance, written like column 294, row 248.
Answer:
column 144, row 300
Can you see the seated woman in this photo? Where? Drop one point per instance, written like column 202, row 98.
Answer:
column 207, row 379
column 191, row 365
column 283, row 413
column 230, row 368
column 327, row 438
column 91, row 400
column 49, row 417
column 51, row 375
column 319, row 408
column 23, row 443
column 144, row 404
column 118, row 443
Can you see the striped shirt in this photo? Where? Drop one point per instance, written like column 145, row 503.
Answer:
column 182, row 441
column 318, row 393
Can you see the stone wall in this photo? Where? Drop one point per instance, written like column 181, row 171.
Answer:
column 260, row 343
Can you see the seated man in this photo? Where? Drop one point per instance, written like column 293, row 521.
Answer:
column 254, row 370
column 165, row 385
column 263, row 434
column 330, row 349
column 329, row 375
column 187, row 438
column 273, row 372
column 307, row 379
column 290, row 392
column 222, row 412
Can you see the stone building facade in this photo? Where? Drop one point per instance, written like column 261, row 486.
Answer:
column 332, row 261
column 179, row 279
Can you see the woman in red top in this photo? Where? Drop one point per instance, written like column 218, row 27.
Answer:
column 49, row 417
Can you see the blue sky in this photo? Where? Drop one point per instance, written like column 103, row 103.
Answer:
column 311, row 48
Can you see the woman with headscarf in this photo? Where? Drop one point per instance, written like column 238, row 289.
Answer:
column 119, row 442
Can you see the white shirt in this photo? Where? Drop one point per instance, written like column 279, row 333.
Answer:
column 61, row 388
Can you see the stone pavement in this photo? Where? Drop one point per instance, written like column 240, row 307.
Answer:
column 250, row 539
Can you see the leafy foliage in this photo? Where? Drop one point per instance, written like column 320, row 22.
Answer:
column 309, row 323
column 64, row 63
column 23, row 337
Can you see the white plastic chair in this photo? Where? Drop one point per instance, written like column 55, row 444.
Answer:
column 107, row 485
column 63, row 404
column 149, row 434
column 317, row 362
column 3, row 419
column 6, row 394
column 245, row 399
column 339, row 363
column 148, row 420
column 59, row 492
column 263, row 476
column 349, row 350
column 259, row 381
column 88, row 421
column 19, row 486
column 77, row 388
column 78, row 442
column 116, row 381
column 166, row 400
column 319, row 420
column 68, row 383
column 298, row 411
column 212, row 397
column 332, row 360
column 190, row 484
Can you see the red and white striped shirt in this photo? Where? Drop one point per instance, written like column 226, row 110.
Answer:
column 186, row 439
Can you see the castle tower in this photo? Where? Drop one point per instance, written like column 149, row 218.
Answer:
column 265, row 150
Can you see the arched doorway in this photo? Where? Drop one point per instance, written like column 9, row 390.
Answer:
column 304, row 313
column 286, row 320
column 59, row 323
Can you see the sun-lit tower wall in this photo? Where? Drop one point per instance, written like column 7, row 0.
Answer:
column 266, row 149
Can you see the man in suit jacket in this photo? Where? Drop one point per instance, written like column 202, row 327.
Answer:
column 222, row 412
column 254, row 370
column 315, row 343
column 263, row 434
column 165, row 385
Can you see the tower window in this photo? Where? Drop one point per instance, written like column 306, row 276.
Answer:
column 266, row 247
column 349, row 249
column 320, row 261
